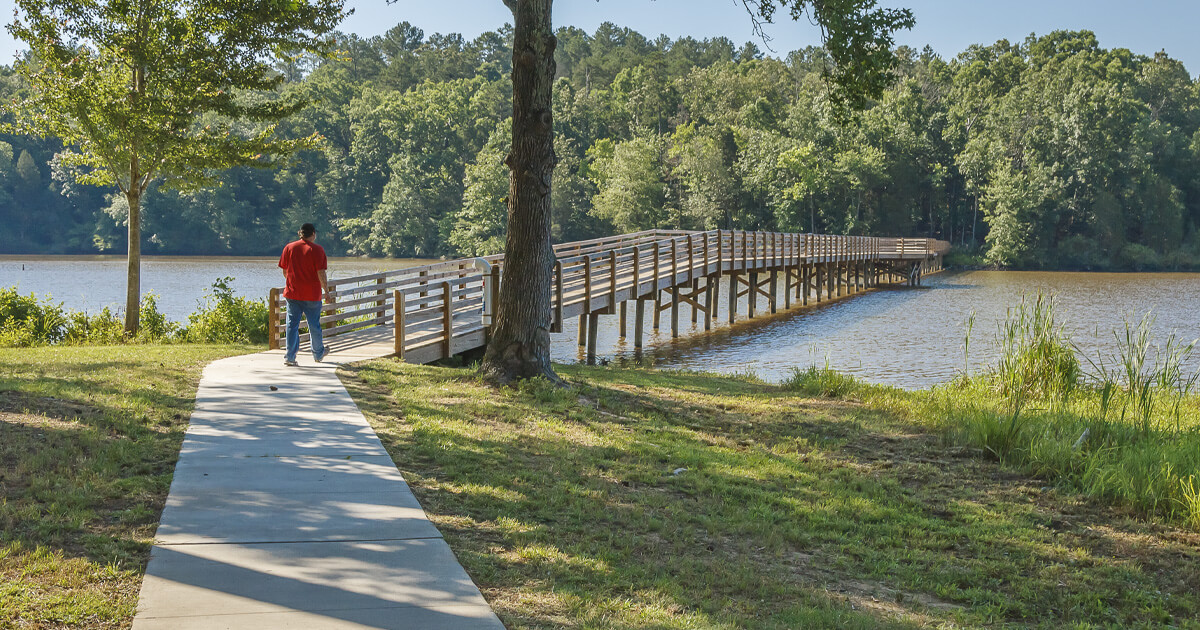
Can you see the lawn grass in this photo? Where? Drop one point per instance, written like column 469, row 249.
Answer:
column 645, row 499
column 89, row 437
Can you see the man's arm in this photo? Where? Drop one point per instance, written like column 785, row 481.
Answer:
column 324, row 286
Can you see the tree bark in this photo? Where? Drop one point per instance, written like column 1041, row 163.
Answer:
column 133, row 284
column 520, row 343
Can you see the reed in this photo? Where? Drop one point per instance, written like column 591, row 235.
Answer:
column 1126, row 431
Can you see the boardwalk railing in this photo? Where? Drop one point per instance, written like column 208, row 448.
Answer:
column 438, row 310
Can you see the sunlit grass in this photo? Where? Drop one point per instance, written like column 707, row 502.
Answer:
column 639, row 498
column 88, row 441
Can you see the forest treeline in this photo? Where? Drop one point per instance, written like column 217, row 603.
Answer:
column 1052, row 153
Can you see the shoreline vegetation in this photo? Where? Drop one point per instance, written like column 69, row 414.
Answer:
column 1048, row 489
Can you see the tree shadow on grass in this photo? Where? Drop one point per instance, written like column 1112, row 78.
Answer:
column 726, row 501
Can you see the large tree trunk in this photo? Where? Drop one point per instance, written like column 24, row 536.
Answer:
column 520, row 344
column 133, row 282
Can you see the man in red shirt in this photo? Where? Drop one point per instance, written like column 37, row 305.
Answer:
column 303, row 264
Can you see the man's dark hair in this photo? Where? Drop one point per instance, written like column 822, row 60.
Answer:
column 307, row 230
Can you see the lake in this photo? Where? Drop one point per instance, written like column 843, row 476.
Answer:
column 909, row 337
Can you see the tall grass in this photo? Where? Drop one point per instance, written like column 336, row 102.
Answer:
column 1126, row 431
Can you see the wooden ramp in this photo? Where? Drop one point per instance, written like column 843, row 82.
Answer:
column 423, row 314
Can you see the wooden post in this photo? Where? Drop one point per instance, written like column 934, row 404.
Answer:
column 587, row 284
column 637, row 273
column 557, row 326
column 639, row 321
column 787, row 287
column 710, row 294
column 583, row 330
column 674, row 311
column 694, row 289
column 612, row 281
column 657, row 262
column 273, row 320
column 493, row 299
column 774, row 288
column 674, row 261
column 720, row 251
column 447, row 319
column 805, row 278
column 398, row 298
column 622, row 319
column 745, row 251
column 733, row 291
column 691, row 245
column 593, row 325
column 752, row 294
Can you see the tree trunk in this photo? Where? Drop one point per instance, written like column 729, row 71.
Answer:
column 520, row 343
column 133, row 282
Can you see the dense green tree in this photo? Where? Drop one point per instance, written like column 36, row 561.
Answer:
column 125, row 83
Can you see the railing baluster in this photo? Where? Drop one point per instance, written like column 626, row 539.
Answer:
column 398, row 299
column 447, row 320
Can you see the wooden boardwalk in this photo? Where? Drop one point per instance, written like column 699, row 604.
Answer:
column 423, row 314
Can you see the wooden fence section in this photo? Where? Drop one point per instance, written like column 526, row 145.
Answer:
column 439, row 310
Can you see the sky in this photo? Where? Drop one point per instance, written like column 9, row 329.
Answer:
column 949, row 26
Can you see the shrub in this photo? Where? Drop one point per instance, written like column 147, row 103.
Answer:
column 820, row 381
column 225, row 318
column 27, row 321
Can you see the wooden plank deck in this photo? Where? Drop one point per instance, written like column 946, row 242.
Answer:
column 446, row 307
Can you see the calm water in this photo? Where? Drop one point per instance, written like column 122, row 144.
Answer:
column 912, row 337
column 907, row 337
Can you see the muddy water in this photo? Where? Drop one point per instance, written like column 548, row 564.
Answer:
column 912, row 338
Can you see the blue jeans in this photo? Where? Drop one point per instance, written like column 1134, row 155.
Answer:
column 311, row 310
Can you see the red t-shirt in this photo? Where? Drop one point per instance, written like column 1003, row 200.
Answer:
column 300, row 262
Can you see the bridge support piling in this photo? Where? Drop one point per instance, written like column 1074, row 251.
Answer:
column 695, row 292
column 710, row 291
column 674, row 311
column 622, row 316
column 787, row 288
column 733, row 296
column 583, row 330
column 657, row 309
column 639, row 321
column 752, row 291
column 774, row 289
column 593, row 321
column 804, row 276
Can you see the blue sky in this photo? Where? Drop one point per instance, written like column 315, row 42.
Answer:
column 947, row 25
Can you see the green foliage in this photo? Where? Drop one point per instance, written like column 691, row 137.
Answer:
column 29, row 321
column 1037, row 361
column 1050, row 152
column 823, row 382
column 227, row 319
column 154, row 89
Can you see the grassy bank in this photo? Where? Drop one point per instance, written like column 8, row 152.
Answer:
column 642, row 499
column 89, row 437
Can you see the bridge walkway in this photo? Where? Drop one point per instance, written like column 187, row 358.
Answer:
column 427, row 313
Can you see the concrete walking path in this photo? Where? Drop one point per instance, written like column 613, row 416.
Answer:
column 285, row 511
